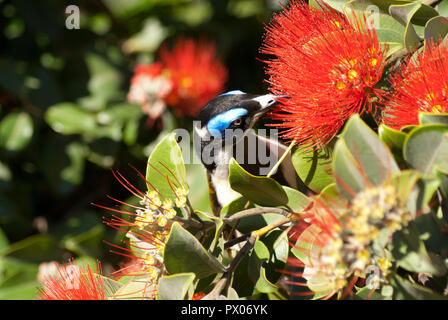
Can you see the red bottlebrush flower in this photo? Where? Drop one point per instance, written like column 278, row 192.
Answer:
column 336, row 237
column 71, row 282
column 327, row 65
column 149, row 88
column 196, row 74
column 148, row 229
column 420, row 85
column 198, row 296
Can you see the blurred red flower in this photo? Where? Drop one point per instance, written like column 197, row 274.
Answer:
column 326, row 64
column 184, row 78
column 71, row 282
column 197, row 75
column 149, row 88
column 420, row 85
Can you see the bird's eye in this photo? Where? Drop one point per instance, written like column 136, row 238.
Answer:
column 237, row 122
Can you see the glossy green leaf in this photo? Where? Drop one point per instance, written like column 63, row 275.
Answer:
column 429, row 118
column 260, row 190
column 443, row 177
column 313, row 167
column 431, row 232
column 394, row 139
column 198, row 185
column 297, row 201
column 175, row 287
column 410, row 253
column 436, row 29
column 35, row 248
column 404, row 13
column 14, row 272
column 26, row 290
column 16, row 131
column 184, row 253
column 406, row 290
column 68, row 118
column 256, row 270
column 119, row 113
column 135, row 288
column 442, row 8
column 104, row 79
column 3, row 240
column 166, row 169
column 389, row 30
column 361, row 158
column 426, row 148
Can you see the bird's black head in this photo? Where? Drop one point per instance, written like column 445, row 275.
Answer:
column 234, row 110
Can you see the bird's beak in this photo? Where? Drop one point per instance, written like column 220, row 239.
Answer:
column 266, row 102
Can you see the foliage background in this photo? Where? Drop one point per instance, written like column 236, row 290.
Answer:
column 65, row 121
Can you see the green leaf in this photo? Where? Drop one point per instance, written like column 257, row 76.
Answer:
column 110, row 286
column 361, row 158
column 184, row 253
column 22, row 291
column 431, row 232
column 335, row 4
column 256, row 270
column 313, row 167
column 148, row 39
column 119, row 113
column 68, row 118
column 104, row 80
column 16, row 131
column 410, row 253
column 429, row 118
column 3, row 240
column 365, row 293
column 389, row 30
column 406, row 290
column 198, row 185
column 15, row 271
column 436, row 29
column 297, row 201
column 263, row 191
column 166, row 169
column 443, row 177
column 35, row 248
column 426, row 147
column 175, row 287
column 345, row 168
column 135, row 288
column 394, row 139
column 442, row 8
column 404, row 13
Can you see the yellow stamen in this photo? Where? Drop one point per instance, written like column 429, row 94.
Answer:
column 384, row 264
column 186, row 82
column 352, row 74
column 436, row 108
column 340, row 85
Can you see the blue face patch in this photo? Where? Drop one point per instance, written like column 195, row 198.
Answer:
column 232, row 92
column 219, row 123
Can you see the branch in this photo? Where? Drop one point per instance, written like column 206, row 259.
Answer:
column 224, row 282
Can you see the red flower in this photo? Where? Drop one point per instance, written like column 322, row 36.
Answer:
column 421, row 85
column 197, row 76
column 71, row 282
column 328, row 67
column 149, row 88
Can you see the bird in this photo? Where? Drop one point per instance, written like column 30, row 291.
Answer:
column 225, row 130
